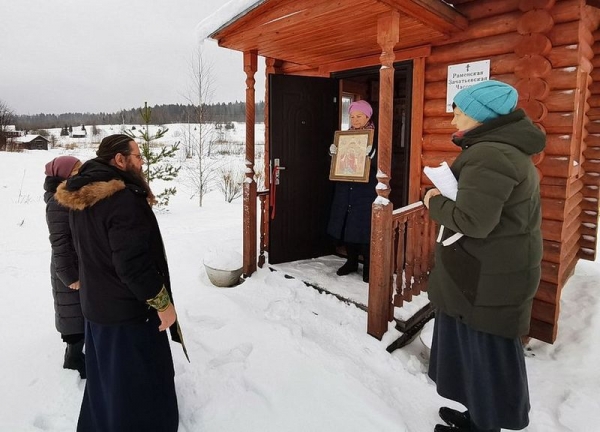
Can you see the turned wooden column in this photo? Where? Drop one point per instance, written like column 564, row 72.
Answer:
column 250, row 66
column 380, row 308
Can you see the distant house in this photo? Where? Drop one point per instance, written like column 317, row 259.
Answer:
column 78, row 133
column 10, row 131
column 31, row 142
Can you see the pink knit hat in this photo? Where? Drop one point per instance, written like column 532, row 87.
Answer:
column 362, row 106
column 61, row 166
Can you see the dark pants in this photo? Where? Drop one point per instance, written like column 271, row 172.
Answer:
column 130, row 379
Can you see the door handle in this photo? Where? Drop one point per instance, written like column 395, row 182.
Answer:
column 277, row 169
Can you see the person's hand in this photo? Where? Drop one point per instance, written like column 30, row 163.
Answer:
column 332, row 149
column 74, row 285
column 430, row 193
column 167, row 317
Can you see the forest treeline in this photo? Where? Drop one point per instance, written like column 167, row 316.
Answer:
column 161, row 114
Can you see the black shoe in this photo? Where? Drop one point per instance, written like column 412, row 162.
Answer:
column 455, row 418
column 75, row 358
column 445, row 428
column 347, row 268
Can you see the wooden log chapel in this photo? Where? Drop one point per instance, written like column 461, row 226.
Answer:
column 320, row 55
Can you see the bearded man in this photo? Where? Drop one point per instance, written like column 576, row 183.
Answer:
column 125, row 294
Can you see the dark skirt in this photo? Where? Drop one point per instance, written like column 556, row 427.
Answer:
column 484, row 372
column 130, row 380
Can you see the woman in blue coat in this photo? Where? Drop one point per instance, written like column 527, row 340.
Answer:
column 64, row 273
column 350, row 218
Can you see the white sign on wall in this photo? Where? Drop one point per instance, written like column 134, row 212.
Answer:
column 465, row 75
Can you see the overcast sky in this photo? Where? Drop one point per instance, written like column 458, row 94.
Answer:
column 106, row 55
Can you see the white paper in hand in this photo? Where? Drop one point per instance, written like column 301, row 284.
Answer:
column 443, row 179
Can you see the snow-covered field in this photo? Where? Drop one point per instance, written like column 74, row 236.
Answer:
column 268, row 355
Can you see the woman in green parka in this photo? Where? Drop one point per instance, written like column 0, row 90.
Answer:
column 484, row 281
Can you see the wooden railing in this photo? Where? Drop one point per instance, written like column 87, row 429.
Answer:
column 412, row 260
column 263, row 196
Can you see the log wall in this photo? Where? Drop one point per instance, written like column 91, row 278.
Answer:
column 545, row 48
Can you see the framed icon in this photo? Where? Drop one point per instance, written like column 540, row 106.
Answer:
column 351, row 161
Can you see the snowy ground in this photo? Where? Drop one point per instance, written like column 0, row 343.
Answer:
column 268, row 355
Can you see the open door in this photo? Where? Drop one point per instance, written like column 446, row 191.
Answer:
column 303, row 119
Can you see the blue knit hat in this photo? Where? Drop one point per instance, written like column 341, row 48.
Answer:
column 487, row 100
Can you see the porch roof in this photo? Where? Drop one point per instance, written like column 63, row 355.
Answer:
column 315, row 33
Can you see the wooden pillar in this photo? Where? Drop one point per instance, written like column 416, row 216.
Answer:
column 416, row 130
column 250, row 66
column 380, row 308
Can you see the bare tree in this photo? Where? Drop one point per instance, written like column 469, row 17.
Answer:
column 199, row 135
column 6, row 118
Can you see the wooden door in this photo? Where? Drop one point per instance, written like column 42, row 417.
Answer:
column 303, row 119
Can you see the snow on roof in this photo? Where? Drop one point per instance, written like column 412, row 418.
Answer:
column 225, row 15
column 28, row 138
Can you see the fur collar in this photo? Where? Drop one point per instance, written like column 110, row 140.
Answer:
column 87, row 195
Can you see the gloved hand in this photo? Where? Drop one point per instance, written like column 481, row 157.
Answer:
column 332, row 149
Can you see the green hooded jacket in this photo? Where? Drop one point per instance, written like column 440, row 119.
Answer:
column 488, row 278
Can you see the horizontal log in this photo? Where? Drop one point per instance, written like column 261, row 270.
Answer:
column 435, row 158
column 591, row 166
column 589, row 244
column 594, row 100
column 475, row 10
column 550, row 293
column 533, row 66
column 592, row 141
column 593, row 113
column 438, row 125
column 534, row 43
column 589, row 217
column 587, row 254
column 564, row 34
column 561, row 123
column 554, row 192
column 536, row 110
column 589, row 204
column 592, row 153
column 550, row 272
column 535, row 21
column 562, row 100
column 591, row 179
column 558, row 145
column 590, row 231
column 552, row 230
column 543, row 311
column 438, row 142
column 533, row 88
column 564, row 56
column 568, row 266
column 593, row 127
column 485, row 27
column 555, row 166
column 474, row 49
column 540, row 330
column 595, row 75
column 566, row 10
column 551, row 251
column 564, row 78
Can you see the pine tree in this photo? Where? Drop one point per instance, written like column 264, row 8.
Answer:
column 157, row 166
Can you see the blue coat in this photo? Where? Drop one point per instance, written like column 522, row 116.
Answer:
column 350, row 218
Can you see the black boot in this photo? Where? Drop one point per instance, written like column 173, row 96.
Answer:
column 351, row 265
column 455, row 418
column 366, row 272
column 75, row 358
